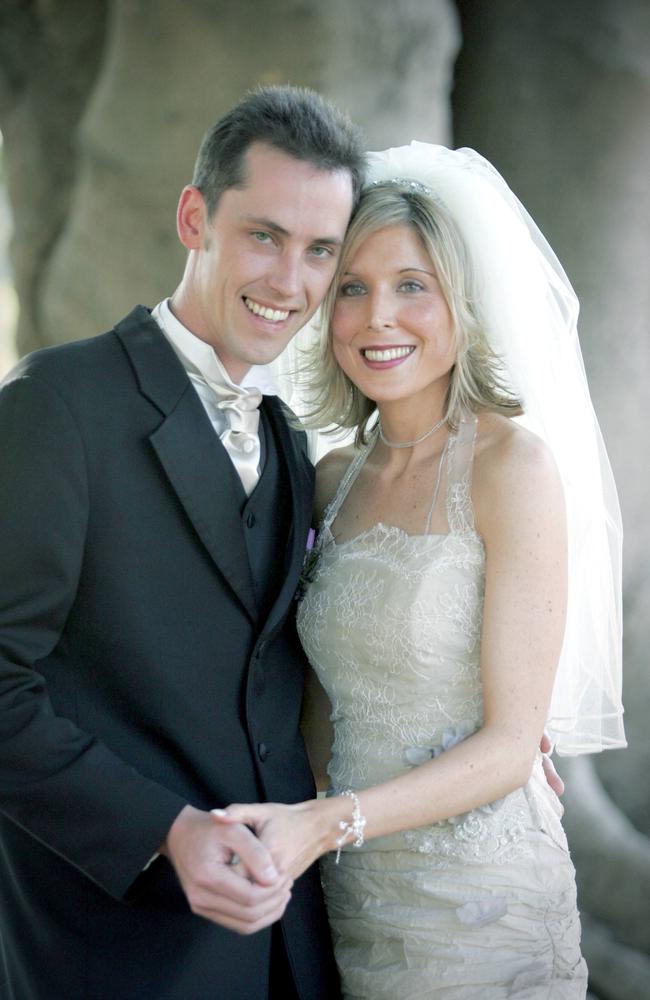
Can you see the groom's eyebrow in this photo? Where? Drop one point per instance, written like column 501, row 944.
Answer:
column 264, row 223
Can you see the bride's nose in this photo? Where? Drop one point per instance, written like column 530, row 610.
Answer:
column 381, row 312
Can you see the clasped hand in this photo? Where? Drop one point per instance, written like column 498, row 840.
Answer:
column 294, row 835
column 244, row 896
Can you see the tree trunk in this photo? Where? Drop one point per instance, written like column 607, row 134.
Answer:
column 49, row 58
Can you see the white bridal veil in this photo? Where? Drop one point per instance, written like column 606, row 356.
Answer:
column 530, row 314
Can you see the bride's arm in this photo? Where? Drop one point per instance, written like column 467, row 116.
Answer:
column 520, row 514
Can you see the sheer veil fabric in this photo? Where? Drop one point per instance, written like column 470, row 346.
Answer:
column 529, row 312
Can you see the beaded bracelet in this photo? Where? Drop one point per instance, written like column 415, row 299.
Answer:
column 353, row 829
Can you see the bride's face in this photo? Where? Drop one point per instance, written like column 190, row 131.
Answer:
column 392, row 328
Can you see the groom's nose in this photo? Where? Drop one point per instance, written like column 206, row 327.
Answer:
column 286, row 276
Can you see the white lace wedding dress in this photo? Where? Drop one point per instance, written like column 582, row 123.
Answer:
column 482, row 906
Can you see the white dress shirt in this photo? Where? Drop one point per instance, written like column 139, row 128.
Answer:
column 203, row 366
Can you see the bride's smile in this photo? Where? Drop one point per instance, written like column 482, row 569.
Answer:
column 385, row 357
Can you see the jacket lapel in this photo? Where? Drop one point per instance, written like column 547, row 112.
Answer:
column 301, row 480
column 195, row 462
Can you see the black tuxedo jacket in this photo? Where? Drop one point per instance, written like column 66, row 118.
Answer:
column 135, row 676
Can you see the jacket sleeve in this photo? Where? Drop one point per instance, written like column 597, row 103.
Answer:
column 58, row 783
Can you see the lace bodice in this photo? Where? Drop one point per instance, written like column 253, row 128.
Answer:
column 391, row 623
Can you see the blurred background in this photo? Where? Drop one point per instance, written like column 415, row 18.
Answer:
column 102, row 106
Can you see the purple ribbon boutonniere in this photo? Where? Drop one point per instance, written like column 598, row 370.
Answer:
column 312, row 552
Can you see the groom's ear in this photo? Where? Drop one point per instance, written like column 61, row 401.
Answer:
column 191, row 218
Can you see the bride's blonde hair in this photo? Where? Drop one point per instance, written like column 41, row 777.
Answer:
column 478, row 378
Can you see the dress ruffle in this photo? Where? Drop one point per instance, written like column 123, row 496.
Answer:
column 405, row 931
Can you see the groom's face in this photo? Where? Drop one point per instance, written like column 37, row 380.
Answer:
column 265, row 259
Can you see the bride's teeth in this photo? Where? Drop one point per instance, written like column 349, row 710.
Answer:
column 275, row 315
column 389, row 354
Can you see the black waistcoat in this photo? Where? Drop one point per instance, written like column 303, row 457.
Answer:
column 265, row 523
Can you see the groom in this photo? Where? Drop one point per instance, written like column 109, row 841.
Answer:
column 153, row 520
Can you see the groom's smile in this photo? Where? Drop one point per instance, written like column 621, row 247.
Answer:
column 266, row 312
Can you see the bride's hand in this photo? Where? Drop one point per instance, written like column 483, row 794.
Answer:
column 294, row 835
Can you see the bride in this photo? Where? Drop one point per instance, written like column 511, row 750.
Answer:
column 463, row 595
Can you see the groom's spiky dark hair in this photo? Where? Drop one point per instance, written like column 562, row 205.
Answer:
column 294, row 120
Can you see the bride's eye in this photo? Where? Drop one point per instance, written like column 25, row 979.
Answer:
column 411, row 286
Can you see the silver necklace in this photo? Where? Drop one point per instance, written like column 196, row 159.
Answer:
column 409, row 444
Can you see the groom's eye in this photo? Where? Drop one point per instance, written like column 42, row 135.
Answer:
column 261, row 236
column 351, row 288
column 321, row 251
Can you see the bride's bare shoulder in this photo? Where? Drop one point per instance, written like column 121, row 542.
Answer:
column 513, row 469
column 329, row 472
column 502, row 443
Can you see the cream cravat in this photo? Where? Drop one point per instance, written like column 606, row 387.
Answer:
column 240, row 408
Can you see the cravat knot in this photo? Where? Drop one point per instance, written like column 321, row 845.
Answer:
column 240, row 408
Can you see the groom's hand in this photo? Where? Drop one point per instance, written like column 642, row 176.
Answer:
column 551, row 775
column 245, row 896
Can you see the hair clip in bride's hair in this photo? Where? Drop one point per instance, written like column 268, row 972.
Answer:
column 405, row 182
